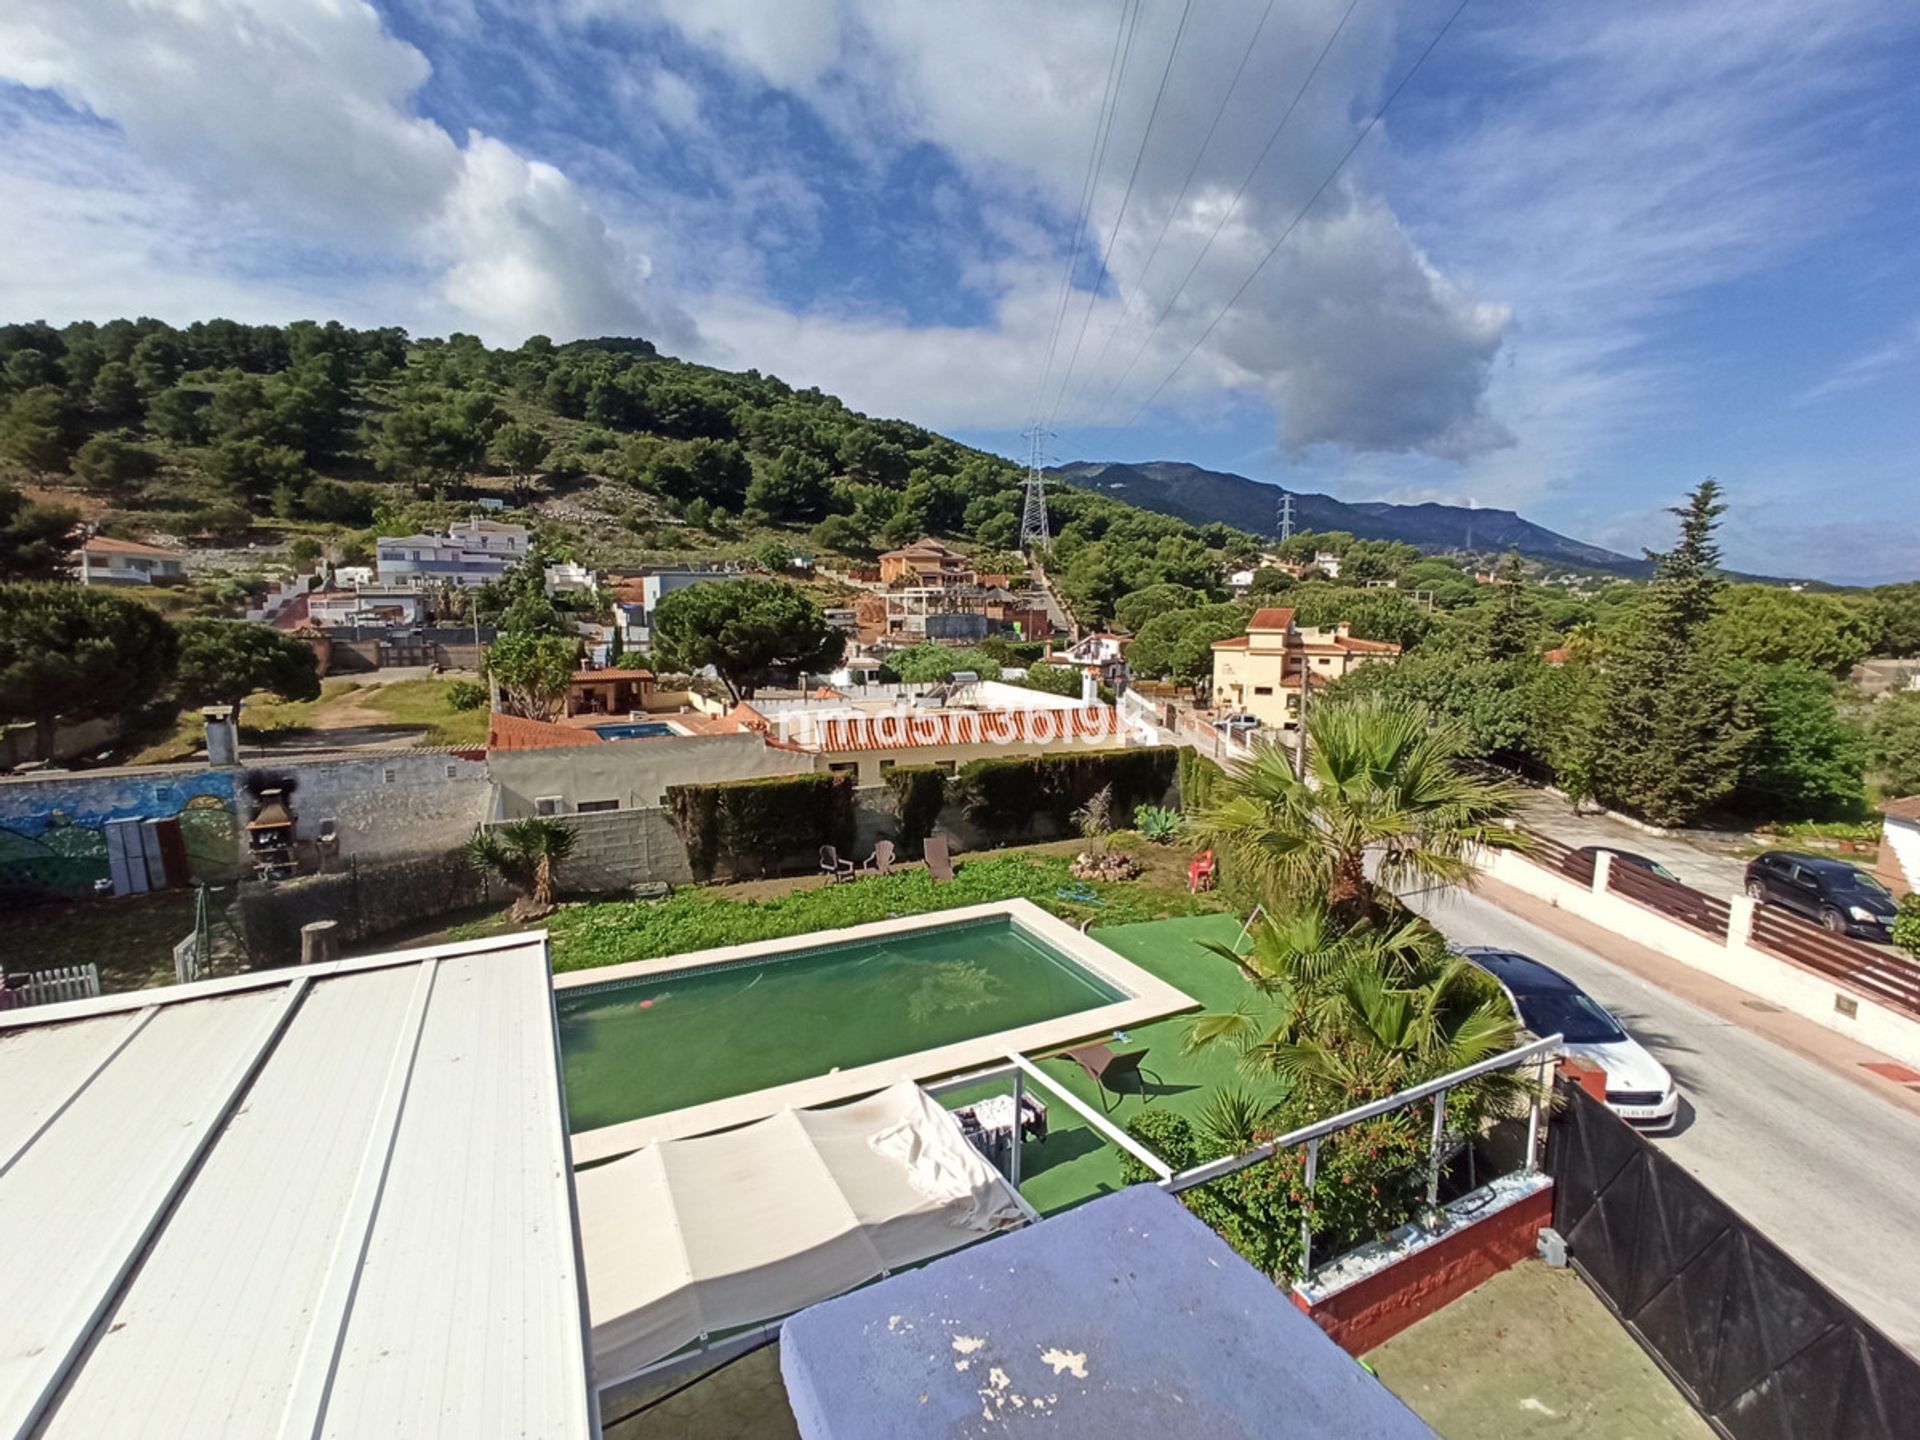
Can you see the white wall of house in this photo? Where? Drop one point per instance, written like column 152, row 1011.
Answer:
column 121, row 569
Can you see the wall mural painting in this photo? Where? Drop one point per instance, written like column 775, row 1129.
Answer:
column 52, row 845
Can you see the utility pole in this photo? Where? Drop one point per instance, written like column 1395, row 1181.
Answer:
column 1034, row 532
column 1284, row 517
column 1300, row 734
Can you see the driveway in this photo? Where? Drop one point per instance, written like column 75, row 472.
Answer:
column 1787, row 1134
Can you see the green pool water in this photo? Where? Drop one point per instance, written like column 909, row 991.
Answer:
column 635, row 1048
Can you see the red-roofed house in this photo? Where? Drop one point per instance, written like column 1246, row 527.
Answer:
column 1260, row 673
column 106, row 561
column 612, row 691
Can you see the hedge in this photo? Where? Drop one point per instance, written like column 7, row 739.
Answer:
column 739, row 828
column 1198, row 777
column 1002, row 796
column 919, row 795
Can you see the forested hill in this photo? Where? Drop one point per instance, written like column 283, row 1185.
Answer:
column 223, row 434
column 1199, row 495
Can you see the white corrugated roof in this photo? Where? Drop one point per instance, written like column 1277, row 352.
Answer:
column 333, row 1201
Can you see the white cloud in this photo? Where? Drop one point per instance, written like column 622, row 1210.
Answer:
column 298, row 114
column 1354, row 336
column 1867, row 369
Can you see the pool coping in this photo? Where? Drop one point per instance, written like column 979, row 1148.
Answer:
column 1147, row 998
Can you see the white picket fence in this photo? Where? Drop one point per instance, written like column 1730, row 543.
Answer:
column 50, row 987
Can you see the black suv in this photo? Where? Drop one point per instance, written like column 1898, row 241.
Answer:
column 1842, row 897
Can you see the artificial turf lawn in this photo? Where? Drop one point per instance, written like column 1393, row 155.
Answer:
column 1075, row 1162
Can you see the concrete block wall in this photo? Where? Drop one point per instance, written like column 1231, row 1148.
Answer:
column 618, row 849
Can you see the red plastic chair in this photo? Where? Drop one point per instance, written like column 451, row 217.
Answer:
column 1200, row 872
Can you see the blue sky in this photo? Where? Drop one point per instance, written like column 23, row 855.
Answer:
column 1591, row 254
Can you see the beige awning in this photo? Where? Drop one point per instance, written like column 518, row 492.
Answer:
column 695, row 1237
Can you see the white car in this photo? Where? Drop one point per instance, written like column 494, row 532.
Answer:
column 1639, row 1088
column 1238, row 724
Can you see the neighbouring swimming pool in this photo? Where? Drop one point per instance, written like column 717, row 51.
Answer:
column 641, row 1047
column 635, row 730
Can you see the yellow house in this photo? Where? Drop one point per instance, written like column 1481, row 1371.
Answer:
column 1260, row 673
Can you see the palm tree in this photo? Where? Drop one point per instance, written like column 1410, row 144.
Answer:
column 1383, row 779
column 1343, row 1018
column 524, row 854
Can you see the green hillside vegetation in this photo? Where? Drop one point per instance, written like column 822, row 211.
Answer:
column 289, row 443
column 222, row 433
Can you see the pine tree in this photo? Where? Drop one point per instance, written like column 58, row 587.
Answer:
column 1669, row 739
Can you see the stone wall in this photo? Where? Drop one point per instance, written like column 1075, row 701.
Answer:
column 368, row 900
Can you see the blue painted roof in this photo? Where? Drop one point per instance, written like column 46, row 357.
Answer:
column 1124, row 1317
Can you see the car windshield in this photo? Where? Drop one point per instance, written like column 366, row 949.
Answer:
column 1855, row 882
column 1570, row 1014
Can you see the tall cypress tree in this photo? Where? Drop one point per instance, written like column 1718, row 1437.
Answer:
column 1670, row 739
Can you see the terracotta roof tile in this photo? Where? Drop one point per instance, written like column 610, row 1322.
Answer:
column 1271, row 618
column 1906, row 809
column 107, row 545
column 516, row 732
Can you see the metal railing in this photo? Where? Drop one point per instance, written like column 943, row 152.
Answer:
column 1541, row 1052
column 1020, row 1069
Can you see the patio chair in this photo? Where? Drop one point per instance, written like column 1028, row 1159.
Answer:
column 1107, row 1067
column 1202, row 872
column 832, row 864
column 939, row 860
column 881, row 861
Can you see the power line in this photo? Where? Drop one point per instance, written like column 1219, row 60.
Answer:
column 1228, row 214
column 1173, row 211
column 1113, row 235
column 1102, row 128
column 1294, row 224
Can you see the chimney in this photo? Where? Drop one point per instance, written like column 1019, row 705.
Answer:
column 1089, row 686
column 223, row 736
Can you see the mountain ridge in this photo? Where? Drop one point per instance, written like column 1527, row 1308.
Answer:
column 1198, row 495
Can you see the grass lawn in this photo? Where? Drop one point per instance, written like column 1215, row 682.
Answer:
column 419, row 706
column 593, row 933
column 131, row 937
column 423, row 704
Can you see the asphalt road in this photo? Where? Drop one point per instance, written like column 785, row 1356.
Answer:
column 1829, row 1170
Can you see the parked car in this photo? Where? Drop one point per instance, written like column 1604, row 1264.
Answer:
column 1591, row 854
column 1842, row 897
column 1238, row 724
column 1640, row 1090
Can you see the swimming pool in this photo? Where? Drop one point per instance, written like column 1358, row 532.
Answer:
column 635, row 730
column 694, row 1042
